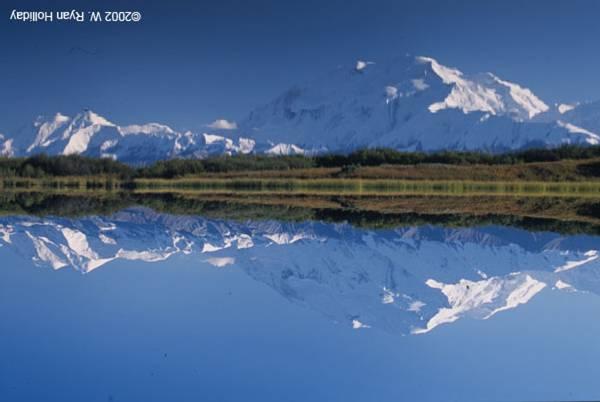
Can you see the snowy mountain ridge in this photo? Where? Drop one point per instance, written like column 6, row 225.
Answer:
column 93, row 135
column 484, row 93
column 410, row 103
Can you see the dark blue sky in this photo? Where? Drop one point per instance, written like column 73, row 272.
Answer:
column 188, row 63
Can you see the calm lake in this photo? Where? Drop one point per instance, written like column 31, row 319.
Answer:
column 133, row 304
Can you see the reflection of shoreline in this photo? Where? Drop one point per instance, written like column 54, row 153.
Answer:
column 556, row 214
column 409, row 279
column 304, row 185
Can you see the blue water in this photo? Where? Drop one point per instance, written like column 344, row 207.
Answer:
column 183, row 329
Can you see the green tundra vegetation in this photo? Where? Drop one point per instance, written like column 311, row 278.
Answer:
column 539, row 189
column 567, row 163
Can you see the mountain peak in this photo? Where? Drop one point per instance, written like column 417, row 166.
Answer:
column 447, row 74
column 89, row 117
column 484, row 93
column 409, row 103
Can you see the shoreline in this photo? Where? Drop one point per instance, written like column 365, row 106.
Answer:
column 329, row 186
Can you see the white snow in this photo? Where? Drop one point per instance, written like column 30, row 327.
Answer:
column 286, row 238
column 524, row 98
column 592, row 255
column 285, row 149
column 591, row 138
column 483, row 298
column 388, row 296
column 6, row 146
column 521, row 295
column 246, row 145
column 213, row 138
column 106, row 145
column 483, row 94
column 46, row 129
column 78, row 247
column 106, row 240
column 149, row 128
column 391, row 93
column 43, row 252
column 220, row 262
column 565, row 107
column 356, row 324
column 146, row 255
column 219, row 143
column 562, row 285
column 361, row 65
column 94, row 119
column 76, row 135
column 78, row 242
column 5, row 232
column 107, row 227
column 209, row 248
column 244, row 241
column 78, row 141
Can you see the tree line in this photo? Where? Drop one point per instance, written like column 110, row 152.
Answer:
column 41, row 166
column 386, row 156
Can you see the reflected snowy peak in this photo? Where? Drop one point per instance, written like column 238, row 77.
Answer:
column 408, row 280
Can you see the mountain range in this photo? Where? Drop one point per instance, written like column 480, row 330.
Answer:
column 407, row 280
column 409, row 103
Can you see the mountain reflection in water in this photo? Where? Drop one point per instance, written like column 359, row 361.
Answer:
column 403, row 280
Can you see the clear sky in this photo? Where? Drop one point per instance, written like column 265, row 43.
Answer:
column 188, row 63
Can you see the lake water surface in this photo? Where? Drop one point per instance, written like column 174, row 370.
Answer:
column 144, row 306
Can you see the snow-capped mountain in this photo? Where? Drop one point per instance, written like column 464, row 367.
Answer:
column 406, row 280
column 90, row 134
column 411, row 103
column 6, row 148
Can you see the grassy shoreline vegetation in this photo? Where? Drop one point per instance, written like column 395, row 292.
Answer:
column 565, row 164
column 557, row 190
